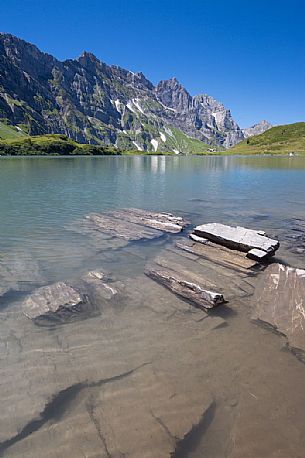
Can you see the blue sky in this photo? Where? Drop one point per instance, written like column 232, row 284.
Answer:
column 248, row 55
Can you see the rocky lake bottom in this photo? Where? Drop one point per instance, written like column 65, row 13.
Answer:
column 136, row 370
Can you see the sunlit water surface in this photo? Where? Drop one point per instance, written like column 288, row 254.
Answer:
column 41, row 201
column 40, row 197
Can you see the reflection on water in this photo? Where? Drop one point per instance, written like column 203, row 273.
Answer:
column 40, row 196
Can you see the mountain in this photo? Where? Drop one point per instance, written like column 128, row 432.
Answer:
column 284, row 139
column 92, row 102
column 257, row 129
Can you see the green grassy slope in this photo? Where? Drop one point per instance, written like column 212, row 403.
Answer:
column 181, row 142
column 16, row 143
column 51, row 145
column 277, row 140
column 8, row 131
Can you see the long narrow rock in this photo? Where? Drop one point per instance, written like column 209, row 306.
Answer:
column 121, row 228
column 181, row 286
column 165, row 222
column 237, row 237
column 130, row 225
column 218, row 254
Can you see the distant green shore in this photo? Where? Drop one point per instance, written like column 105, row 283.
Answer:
column 61, row 145
column 279, row 140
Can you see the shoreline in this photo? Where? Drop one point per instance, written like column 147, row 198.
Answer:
column 64, row 156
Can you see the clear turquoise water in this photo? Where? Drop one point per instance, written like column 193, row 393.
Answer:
column 241, row 364
column 40, row 197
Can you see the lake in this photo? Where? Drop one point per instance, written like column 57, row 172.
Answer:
column 114, row 384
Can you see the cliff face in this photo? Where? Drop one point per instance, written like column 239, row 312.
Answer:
column 201, row 116
column 93, row 102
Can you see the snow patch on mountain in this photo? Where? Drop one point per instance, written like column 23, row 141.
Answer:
column 167, row 108
column 118, row 105
column 130, row 107
column 137, row 146
column 137, row 105
column 155, row 144
column 163, row 137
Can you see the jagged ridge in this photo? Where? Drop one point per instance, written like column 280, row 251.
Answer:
column 92, row 102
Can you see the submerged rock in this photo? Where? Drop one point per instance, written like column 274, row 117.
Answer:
column 217, row 254
column 95, row 283
column 107, row 224
column 128, row 225
column 59, row 299
column 63, row 301
column 238, row 237
column 165, row 222
column 279, row 300
column 183, row 286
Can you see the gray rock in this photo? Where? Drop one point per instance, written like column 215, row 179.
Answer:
column 279, row 300
column 238, row 238
column 63, row 301
column 97, row 286
column 165, row 222
column 182, row 286
column 57, row 299
column 257, row 255
column 124, row 229
column 198, row 239
column 130, row 224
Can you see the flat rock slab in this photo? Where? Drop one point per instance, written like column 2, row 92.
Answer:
column 183, row 286
column 130, row 225
column 62, row 301
column 238, row 238
column 124, row 229
column 165, row 222
column 279, row 300
column 216, row 253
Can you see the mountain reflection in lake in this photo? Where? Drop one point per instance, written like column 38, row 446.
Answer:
column 147, row 375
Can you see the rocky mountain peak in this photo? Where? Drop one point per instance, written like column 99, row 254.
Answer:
column 257, row 129
column 173, row 95
column 88, row 60
column 208, row 102
column 88, row 56
column 90, row 101
column 140, row 77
